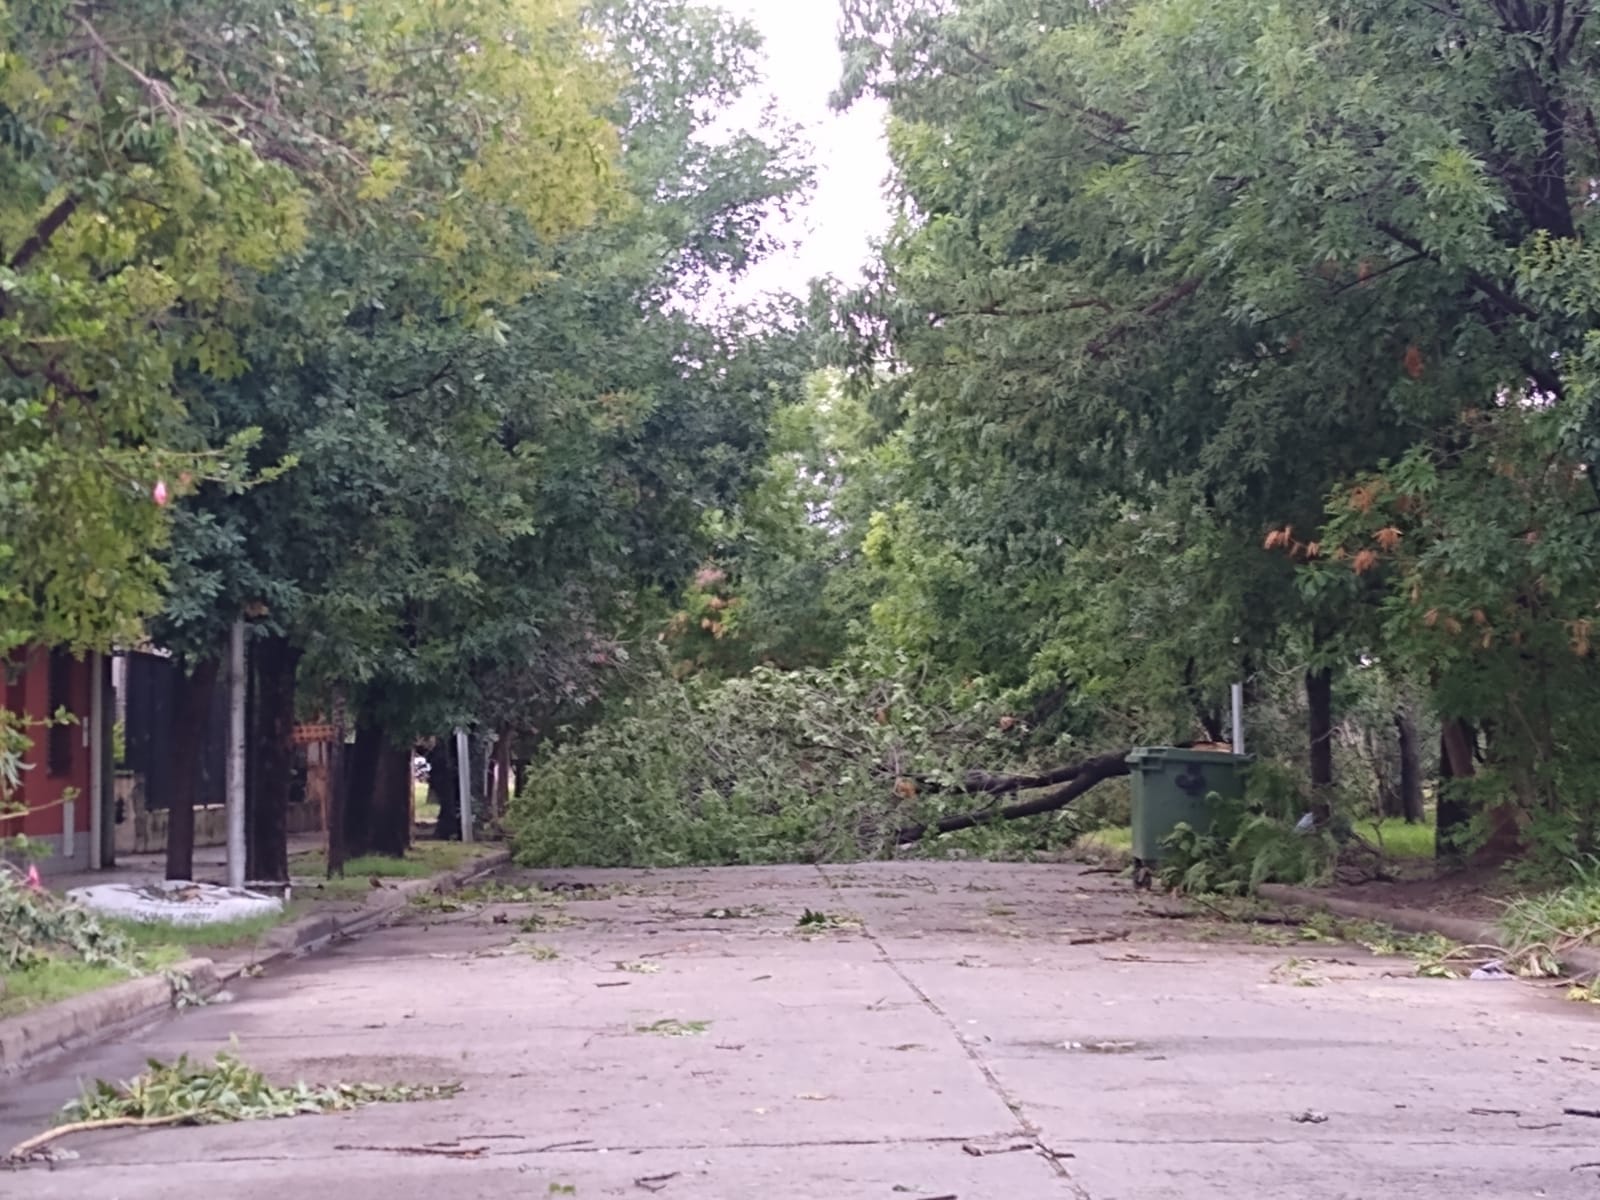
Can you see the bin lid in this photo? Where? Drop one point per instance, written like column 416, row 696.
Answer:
column 1154, row 756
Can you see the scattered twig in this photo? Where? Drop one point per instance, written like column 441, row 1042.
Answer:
column 654, row 1183
column 1582, row 1112
column 1495, row 1112
column 443, row 1151
column 1109, row 935
column 979, row 1152
column 23, row 1150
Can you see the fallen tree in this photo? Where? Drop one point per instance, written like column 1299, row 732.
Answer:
column 1074, row 779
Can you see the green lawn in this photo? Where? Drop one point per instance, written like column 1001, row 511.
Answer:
column 56, row 980
column 422, row 860
column 156, row 935
column 427, row 814
column 1397, row 839
column 1112, row 837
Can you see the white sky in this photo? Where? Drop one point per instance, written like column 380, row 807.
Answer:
column 847, row 209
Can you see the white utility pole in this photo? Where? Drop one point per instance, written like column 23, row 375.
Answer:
column 235, row 772
column 1238, row 718
column 464, row 784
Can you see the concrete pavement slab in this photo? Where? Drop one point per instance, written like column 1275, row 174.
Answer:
column 968, row 1039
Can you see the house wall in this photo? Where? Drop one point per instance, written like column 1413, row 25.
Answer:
column 57, row 798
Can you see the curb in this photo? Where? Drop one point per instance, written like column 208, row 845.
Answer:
column 1582, row 961
column 55, row 1029
column 33, row 1038
column 312, row 933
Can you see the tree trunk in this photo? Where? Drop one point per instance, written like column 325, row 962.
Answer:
column 444, row 790
column 502, row 776
column 266, row 837
column 191, row 714
column 391, row 800
column 1453, row 815
column 361, row 776
column 338, row 790
column 1410, row 767
column 1319, row 733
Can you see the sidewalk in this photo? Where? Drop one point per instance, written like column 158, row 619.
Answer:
column 210, row 866
column 321, row 913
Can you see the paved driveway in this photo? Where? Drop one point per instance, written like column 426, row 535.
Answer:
column 984, row 1031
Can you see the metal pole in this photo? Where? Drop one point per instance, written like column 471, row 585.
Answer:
column 235, row 769
column 1238, row 718
column 464, row 784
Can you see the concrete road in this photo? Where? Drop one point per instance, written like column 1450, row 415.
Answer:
column 986, row 1031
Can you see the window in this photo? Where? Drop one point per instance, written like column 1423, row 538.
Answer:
column 61, row 736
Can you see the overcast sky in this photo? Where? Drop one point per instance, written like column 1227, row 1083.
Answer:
column 847, row 208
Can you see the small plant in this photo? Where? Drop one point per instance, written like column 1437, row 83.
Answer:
column 672, row 1027
column 639, row 968
column 37, row 926
column 1243, row 848
column 226, row 1089
column 537, row 952
column 811, row 921
column 1554, row 921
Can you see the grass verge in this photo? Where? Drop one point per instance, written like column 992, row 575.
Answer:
column 422, row 860
column 1563, row 917
column 59, row 979
column 224, row 935
column 1399, row 840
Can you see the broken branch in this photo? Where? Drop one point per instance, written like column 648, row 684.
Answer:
column 1091, row 772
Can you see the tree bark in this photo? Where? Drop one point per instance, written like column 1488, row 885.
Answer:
column 360, row 779
column 1410, row 767
column 391, row 800
column 191, row 715
column 1457, row 741
column 1087, row 774
column 338, row 790
column 275, row 663
column 444, row 790
column 502, row 775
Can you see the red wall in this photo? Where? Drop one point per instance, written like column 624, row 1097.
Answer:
column 29, row 694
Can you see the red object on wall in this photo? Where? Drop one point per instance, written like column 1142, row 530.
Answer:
column 37, row 682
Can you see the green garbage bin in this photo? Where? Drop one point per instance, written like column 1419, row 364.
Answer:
column 1171, row 786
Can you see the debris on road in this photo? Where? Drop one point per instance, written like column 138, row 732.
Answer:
column 442, row 1150
column 186, row 1093
column 1310, row 1117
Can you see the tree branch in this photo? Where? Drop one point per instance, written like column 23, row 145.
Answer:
column 43, row 232
column 1094, row 771
column 1173, row 296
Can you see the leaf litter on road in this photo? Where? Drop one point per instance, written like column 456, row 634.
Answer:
column 184, row 1092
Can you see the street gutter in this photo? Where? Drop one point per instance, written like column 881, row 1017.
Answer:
column 47, row 1032
column 1582, row 961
